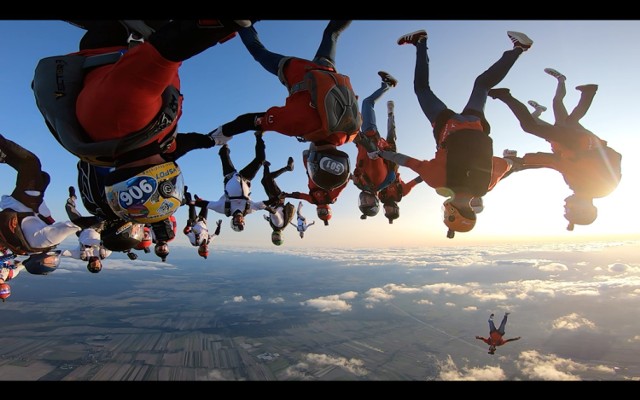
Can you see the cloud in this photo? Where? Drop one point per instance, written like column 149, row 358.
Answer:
column 424, row 301
column 537, row 366
column 256, row 297
column 304, row 370
column 352, row 365
column 617, row 268
column 448, row 371
column 332, row 303
column 375, row 295
column 553, row 267
column 449, row 288
column 68, row 264
column 276, row 300
column 572, row 321
column 238, row 299
column 470, row 308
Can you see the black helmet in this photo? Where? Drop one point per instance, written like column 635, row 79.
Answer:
column 94, row 265
column 42, row 263
column 162, row 250
column 328, row 169
column 391, row 211
column 121, row 235
column 369, row 204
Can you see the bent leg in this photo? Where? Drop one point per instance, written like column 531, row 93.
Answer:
column 586, row 98
column 227, row 164
column 249, row 172
column 327, row 49
column 491, row 77
column 502, row 325
column 559, row 110
column 368, row 109
column 268, row 59
column 430, row 104
column 527, row 121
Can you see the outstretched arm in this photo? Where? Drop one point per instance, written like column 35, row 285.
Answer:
column 512, row 339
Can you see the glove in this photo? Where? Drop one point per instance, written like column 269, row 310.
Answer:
column 218, row 222
column 270, row 209
column 374, row 155
column 72, row 192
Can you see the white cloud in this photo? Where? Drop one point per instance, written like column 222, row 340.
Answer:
column 617, row 268
column 330, row 303
column 424, row 301
column 256, row 297
column 276, row 300
column 238, row 299
column 449, row 288
column 537, row 366
column 572, row 321
column 553, row 267
column 470, row 308
column 352, row 365
column 348, row 295
column 448, row 371
column 375, row 295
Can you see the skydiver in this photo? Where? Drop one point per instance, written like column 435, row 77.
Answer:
column 464, row 166
column 495, row 335
column 588, row 165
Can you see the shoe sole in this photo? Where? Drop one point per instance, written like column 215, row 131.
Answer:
column 520, row 38
column 554, row 73
column 402, row 39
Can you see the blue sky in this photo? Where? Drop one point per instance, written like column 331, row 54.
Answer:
column 225, row 81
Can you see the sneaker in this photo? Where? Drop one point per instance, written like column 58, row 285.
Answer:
column 587, row 88
column 537, row 105
column 266, row 163
column 521, row 40
column 387, row 78
column 290, row 164
column 509, row 153
column 413, row 37
column 507, row 313
column 390, row 106
column 499, row 93
column 555, row 73
column 218, row 138
column 491, row 316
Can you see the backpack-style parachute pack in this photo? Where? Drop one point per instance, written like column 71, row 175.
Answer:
column 11, row 233
column 57, row 83
column 333, row 96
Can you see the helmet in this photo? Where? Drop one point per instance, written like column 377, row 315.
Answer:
column 146, row 239
column 5, row 291
column 391, row 211
column 329, row 169
column 579, row 211
column 162, row 250
column 457, row 220
column 324, row 212
column 94, row 265
column 121, row 235
column 369, row 204
column 477, row 204
column 145, row 195
column 203, row 250
column 237, row 221
column 42, row 263
column 276, row 238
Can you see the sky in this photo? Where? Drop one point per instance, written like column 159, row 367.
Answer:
column 224, row 82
